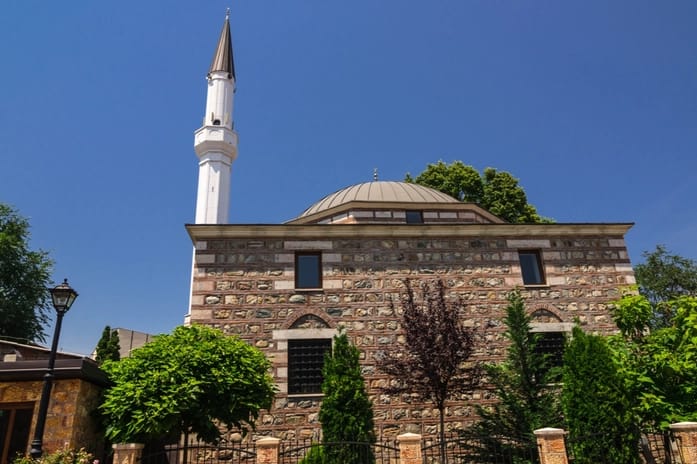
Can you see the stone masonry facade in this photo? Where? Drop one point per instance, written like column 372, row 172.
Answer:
column 243, row 283
column 70, row 420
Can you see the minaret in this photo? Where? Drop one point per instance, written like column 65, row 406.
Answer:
column 215, row 142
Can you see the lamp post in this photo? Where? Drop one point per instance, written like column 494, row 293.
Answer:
column 62, row 297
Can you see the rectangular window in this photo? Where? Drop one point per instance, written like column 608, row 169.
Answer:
column 308, row 270
column 414, row 217
column 531, row 267
column 15, row 422
column 305, row 361
column 551, row 345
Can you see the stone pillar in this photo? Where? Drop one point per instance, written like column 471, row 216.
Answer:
column 686, row 438
column 127, row 453
column 551, row 446
column 267, row 450
column 409, row 448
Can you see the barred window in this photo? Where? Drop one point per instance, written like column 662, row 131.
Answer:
column 552, row 345
column 305, row 361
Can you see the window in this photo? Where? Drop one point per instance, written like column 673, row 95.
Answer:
column 308, row 270
column 551, row 344
column 15, row 421
column 531, row 267
column 305, row 361
column 414, row 217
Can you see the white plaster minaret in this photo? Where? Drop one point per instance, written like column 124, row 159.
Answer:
column 215, row 142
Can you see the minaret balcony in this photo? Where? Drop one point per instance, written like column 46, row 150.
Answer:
column 215, row 138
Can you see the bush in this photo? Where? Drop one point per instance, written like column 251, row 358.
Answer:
column 66, row 456
column 314, row 456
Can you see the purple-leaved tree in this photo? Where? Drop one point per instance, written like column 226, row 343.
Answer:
column 434, row 362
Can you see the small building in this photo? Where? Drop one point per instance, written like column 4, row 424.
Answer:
column 70, row 421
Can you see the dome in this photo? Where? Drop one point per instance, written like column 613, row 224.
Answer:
column 380, row 191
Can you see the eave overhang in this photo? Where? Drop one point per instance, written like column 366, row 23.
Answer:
column 84, row 369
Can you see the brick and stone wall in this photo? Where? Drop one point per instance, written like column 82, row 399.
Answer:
column 244, row 285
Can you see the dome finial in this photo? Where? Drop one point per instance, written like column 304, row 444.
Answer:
column 375, row 174
column 227, row 14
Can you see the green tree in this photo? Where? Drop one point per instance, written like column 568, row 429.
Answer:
column 663, row 277
column 186, row 382
column 659, row 366
column 108, row 347
column 496, row 191
column 526, row 399
column 346, row 413
column 24, row 281
column 598, row 411
column 434, row 364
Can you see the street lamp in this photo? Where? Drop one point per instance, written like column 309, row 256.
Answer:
column 62, row 297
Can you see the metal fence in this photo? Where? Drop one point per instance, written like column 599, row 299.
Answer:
column 459, row 449
column 195, row 452
column 294, row 452
column 654, row 447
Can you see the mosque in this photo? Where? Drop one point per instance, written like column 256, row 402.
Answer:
column 289, row 288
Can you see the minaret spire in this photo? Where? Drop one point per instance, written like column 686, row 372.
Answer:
column 215, row 142
column 223, row 58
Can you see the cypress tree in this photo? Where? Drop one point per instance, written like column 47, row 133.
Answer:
column 346, row 413
column 597, row 409
column 108, row 347
column 526, row 399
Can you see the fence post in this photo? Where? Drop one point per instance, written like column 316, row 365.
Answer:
column 409, row 448
column 127, row 453
column 686, row 438
column 551, row 446
column 267, row 450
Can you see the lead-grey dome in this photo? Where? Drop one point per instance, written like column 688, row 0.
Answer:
column 380, row 191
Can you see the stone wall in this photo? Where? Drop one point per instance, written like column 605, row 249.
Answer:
column 69, row 421
column 245, row 286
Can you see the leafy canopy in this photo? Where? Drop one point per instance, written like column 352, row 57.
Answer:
column 662, row 277
column 496, row 191
column 526, row 399
column 184, row 382
column 24, row 281
column 346, row 413
column 659, row 366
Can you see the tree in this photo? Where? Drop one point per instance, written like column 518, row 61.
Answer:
column 24, row 281
column 108, row 347
column 434, row 364
column 186, row 382
column 659, row 366
column 346, row 413
column 496, row 191
column 526, row 400
column 664, row 277
column 598, row 411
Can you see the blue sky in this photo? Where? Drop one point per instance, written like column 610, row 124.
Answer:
column 592, row 105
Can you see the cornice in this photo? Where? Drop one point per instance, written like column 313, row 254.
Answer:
column 395, row 205
column 199, row 232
